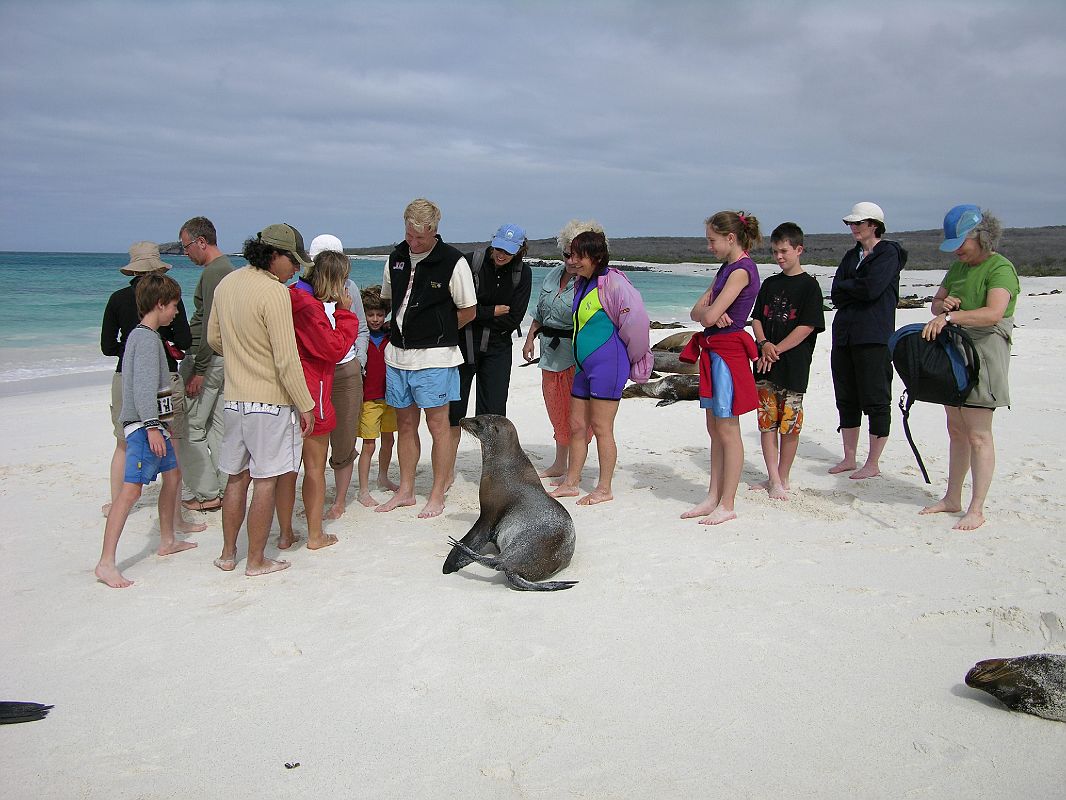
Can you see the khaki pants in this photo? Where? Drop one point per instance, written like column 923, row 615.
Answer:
column 203, row 417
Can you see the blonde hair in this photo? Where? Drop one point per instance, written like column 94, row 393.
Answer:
column 328, row 274
column 573, row 228
column 422, row 215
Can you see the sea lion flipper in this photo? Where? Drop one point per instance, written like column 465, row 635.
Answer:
column 12, row 712
column 520, row 583
column 662, row 403
column 476, row 538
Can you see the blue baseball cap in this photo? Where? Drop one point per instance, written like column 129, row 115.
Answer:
column 957, row 225
column 509, row 238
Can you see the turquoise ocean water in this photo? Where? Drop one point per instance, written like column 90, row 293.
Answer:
column 51, row 305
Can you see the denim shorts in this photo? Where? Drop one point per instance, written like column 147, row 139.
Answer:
column 142, row 465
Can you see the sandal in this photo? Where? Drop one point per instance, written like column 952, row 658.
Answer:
column 202, row 505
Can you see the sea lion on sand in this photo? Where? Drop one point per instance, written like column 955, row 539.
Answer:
column 675, row 342
column 532, row 530
column 1034, row 684
column 665, row 361
column 671, row 389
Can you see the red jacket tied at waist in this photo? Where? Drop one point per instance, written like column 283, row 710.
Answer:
column 737, row 350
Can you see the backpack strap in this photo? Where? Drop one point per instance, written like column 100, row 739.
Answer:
column 905, row 403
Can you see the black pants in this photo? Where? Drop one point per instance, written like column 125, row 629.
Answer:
column 862, row 379
column 493, row 371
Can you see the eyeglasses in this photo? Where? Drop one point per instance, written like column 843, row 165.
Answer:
column 191, row 242
column 567, row 255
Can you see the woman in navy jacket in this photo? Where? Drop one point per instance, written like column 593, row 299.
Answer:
column 865, row 293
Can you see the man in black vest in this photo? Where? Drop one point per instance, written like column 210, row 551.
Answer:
column 432, row 294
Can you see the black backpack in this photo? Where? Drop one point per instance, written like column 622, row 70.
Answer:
column 943, row 371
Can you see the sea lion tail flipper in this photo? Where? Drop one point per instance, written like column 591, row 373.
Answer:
column 475, row 539
column 12, row 712
column 662, row 403
column 520, row 583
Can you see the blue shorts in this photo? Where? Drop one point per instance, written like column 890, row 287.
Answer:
column 142, row 465
column 720, row 403
column 425, row 388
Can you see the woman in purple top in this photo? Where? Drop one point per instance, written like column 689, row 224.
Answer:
column 727, row 385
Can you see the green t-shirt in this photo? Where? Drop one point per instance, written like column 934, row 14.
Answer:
column 971, row 284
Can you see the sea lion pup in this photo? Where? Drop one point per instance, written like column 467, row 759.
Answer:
column 671, row 389
column 533, row 531
column 1034, row 684
column 675, row 342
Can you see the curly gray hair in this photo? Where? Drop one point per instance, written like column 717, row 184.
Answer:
column 573, row 228
column 987, row 232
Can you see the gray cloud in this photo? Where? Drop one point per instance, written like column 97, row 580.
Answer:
column 122, row 119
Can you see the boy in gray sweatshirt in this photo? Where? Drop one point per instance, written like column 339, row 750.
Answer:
column 146, row 407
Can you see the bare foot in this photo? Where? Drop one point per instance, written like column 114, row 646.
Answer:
column 846, row 465
column 174, row 547
column 718, row 516
column 285, row 542
column 940, row 507
column 182, row 525
column 595, row 497
column 367, row 500
column 867, row 471
column 226, row 564
column 214, row 504
column 269, row 565
column 396, row 501
column 336, row 511
column 971, row 521
column 565, row 490
column 554, row 471
column 112, row 577
column 702, row 510
column 431, row 509
column 317, row 544
column 761, row 486
column 387, row 485
column 558, row 481
column 778, row 492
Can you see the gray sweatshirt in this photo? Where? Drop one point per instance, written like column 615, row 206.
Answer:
column 146, row 382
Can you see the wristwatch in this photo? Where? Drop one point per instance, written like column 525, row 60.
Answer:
column 759, row 344
column 947, row 317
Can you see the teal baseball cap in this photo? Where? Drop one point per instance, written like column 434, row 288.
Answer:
column 958, row 223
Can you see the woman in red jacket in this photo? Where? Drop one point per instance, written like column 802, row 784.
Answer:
column 325, row 329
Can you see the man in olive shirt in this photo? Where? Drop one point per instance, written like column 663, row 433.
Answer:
column 202, row 371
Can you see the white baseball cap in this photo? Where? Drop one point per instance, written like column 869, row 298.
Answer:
column 323, row 242
column 861, row 211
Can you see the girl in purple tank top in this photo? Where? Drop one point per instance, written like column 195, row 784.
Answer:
column 725, row 368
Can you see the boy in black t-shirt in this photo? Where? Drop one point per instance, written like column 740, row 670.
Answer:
column 786, row 320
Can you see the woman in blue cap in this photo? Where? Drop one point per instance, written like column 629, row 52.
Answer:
column 978, row 293
column 503, row 283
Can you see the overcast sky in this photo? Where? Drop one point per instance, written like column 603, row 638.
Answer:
column 119, row 120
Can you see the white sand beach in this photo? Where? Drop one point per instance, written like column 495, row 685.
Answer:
column 813, row 648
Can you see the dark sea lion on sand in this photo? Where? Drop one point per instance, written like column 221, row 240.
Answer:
column 670, row 389
column 1034, row 684
column 532, row 530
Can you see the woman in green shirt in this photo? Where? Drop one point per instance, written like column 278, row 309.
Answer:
column 978, row 293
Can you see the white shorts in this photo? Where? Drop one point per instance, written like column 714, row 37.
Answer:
column 261, row 438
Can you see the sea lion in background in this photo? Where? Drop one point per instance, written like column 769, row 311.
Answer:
column 675, row 342
column 671, row 389
column 532, row 530
column 1034, row 684
column 666, row 361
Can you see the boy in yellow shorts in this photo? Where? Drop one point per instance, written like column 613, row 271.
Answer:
column 786, row 320
column 378, row 418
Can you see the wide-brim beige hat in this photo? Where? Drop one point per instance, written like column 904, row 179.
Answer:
column 144, row 257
